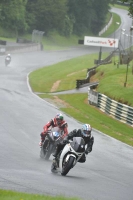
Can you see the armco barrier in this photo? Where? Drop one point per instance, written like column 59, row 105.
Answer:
column 92, row 71
column 111, row 107
column 2, row 42
column 23, row 48
column 2, row 50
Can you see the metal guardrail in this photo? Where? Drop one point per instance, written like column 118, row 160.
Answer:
column 20, row 48
column 91, row 71
column 2, row 50
column 2, row 42
column 111, row 107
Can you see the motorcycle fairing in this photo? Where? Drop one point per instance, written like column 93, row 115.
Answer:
column 78, row 144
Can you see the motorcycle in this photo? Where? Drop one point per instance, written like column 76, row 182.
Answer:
column 69, row 156
column 48, row 146
column 7, row 60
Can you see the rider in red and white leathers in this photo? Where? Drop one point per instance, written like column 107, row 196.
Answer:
column 57, row 121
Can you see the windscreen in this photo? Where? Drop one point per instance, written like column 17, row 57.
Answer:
column 78, row 144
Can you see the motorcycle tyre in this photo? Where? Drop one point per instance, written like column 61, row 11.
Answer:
column 7, row 63
column 43, row 151
column 49, row 152
column 66, row 168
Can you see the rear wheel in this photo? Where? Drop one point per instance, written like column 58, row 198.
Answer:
column 67, row 165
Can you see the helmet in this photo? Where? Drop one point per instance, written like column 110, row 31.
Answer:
column 86, row 130
column 8, row 54
column 59, row 118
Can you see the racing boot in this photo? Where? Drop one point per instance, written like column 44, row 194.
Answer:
column 55, row 154
column 55, row 160
column 54, row 166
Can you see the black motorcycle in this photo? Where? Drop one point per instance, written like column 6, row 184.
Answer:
column 48, row 147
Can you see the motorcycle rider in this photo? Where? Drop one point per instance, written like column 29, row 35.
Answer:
column 57, row 121
column 85, row 133
column 8, row 57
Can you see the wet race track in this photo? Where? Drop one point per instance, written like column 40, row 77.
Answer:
column 108, row 171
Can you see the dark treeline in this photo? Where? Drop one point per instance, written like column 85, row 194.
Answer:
column 65, row 16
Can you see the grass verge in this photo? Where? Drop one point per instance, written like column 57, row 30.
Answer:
column 9, row 195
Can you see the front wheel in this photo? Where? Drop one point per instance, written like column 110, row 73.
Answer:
column 67, row 165
column 43, row 150
column 49, row 151
column 41, row 153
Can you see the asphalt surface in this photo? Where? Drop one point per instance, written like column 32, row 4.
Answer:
column 108, row 172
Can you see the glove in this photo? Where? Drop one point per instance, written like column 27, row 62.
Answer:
column 65, row 141
column 42, row 133
column 88, row 150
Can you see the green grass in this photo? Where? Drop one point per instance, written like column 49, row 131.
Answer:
column 112, row 81
column 8, row 195
column 120, row 6
column 54, row 41
column 111, row 77
column 86, row 113
column 67, row 72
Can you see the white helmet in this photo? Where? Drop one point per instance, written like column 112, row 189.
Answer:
column 86, row 130
column 8, row 54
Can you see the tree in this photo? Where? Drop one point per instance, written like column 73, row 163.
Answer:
column 46, row 15
column 83, row 13
column 13, row 15
column 65, row 16
column 89, row 15
column 130, row 7
column 101, row 9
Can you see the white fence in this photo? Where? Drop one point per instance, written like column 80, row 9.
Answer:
column 106, row 27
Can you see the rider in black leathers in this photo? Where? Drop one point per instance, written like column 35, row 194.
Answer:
column 85, row 133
